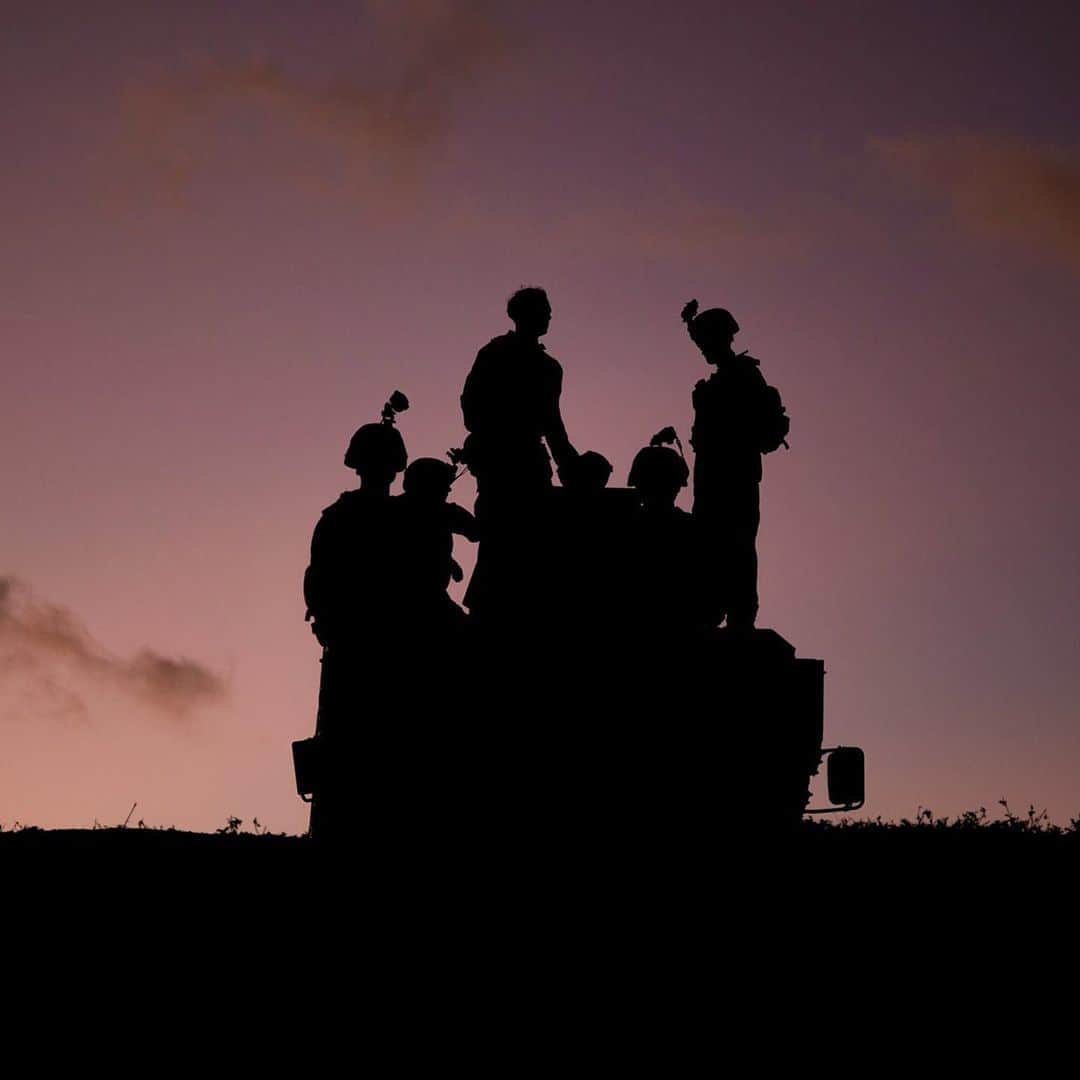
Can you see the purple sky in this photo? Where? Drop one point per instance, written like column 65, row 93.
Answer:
column 230, row 231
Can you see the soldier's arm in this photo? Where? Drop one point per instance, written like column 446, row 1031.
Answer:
column 699, row 400
column 475, row 408
column 468, row 400
column 462, row 523
column 315, row 583
column 311, row 574
column 558, row 441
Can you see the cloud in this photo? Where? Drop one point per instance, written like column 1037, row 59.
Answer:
column 669, row 223
column 1022, row 191
column 56, row 660
column 386, row 111
column 680, row 227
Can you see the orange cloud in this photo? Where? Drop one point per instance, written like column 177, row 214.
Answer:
column 419, row 55
column 1018, row 190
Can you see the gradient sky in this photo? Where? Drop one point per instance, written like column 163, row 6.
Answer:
column 230, row 230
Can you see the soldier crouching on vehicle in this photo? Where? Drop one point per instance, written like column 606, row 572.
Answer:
column 737, row 418
column 429, row 524
column 350, row 588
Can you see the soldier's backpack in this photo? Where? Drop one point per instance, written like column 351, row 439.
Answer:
column 773, row 421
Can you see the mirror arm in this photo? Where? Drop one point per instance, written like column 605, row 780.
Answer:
column 834, row 809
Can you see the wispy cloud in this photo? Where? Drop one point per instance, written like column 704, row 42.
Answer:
column 57, row 660
column 1023, row 191
column 685, row 226
column 384, row 112
column 672, row 224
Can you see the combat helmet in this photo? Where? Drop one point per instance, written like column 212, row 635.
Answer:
column 379, row 446
column 429, row 476
column 592, row 471
column 709, row 326
column 658, row 469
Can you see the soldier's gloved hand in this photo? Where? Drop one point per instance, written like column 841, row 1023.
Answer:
column 456, row 573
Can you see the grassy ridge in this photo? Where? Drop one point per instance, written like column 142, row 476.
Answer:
column 926, row 882
column 973, row 828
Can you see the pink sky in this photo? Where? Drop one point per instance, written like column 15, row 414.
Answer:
column 230, row 233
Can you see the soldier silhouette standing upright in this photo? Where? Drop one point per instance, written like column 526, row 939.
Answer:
column 510, row 406
column 352, row 587
column 737, row 418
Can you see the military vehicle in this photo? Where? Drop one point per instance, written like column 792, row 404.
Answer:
column 575, row 720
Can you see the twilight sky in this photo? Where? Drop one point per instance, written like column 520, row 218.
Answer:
column 231, row 229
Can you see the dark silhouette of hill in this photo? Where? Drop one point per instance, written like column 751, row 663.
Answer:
column 133, row 843
column 973, row 834
column 865, row 877
column 602, row 926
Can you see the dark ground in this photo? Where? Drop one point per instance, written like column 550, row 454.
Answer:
column 820, row 849
column 525, row 949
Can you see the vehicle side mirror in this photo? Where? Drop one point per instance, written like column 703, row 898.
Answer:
column 847, row 776
column 306, row 765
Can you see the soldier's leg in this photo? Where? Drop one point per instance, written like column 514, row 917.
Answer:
column 711, row 568
column 741, row 550
column 334, row 809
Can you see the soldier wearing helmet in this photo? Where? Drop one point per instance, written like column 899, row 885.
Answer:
column 352, row 588
column 667, row 554
column 736, row 414
column 426, row 555
column 658, row 474
column 353, row 540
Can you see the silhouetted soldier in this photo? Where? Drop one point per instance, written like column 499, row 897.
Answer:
column 585, row 569
column 426, row 557
column 346, row 579
column 352, row 588
column 510, row 405
column 737, row 418
column 668, row 563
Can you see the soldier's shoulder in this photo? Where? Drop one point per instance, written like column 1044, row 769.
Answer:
column 331, row 517
column 750, row 367
column 497, row 345
column 332, row 522
column 349, row 504
column 491, row 354
column 337, row 505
